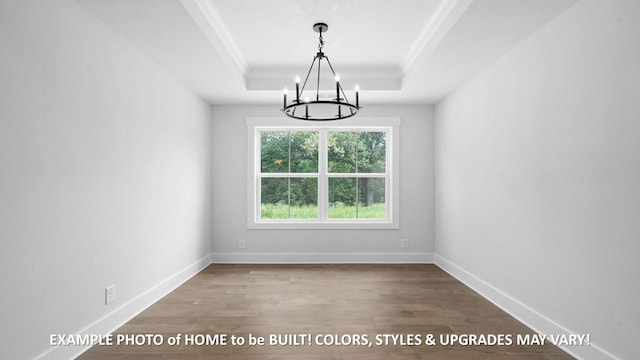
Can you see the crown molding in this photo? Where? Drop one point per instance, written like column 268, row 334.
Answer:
column 440, row 23
column 372, row 78
column 210, row 22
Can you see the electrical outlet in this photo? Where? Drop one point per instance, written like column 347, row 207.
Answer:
column 109, row 294
column 404, row 243
column 241, row 244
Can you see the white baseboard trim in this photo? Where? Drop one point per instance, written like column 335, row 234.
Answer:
column 536, row 321
column 530, row 317
column 125, row 312
column 322, row 258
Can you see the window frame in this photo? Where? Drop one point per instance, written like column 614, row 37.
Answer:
column 256, row 125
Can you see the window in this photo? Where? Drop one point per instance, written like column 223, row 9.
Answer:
column 309, row 175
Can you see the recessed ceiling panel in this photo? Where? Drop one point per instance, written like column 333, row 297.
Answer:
column 278, row 33
column 246, row 51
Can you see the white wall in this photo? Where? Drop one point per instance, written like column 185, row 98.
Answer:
column 537, row 178
column 104, row 177
column 230, row 193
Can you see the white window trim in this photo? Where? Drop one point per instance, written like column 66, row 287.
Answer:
column 254, row 125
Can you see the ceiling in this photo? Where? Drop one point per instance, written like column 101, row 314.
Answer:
column 398, row 52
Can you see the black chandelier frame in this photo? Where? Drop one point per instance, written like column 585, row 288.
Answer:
column 300, row 108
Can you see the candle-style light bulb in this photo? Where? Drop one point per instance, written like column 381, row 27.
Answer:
column 284, row 91
column 297, row 88
column 357, row 88
column 306, row 108
column 337, row 87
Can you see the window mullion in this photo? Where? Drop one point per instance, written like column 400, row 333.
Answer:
column 387, row 172
column 323, row 182
column 257, row 167
column 289, row 178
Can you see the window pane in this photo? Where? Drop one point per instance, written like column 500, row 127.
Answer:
column 304, row 152
column 342, row 151
column 342, row 198
column 274, row 149
column 289, row 151
column 304, row 198
column 371, row 198
column 274, row 198
column 357, row 198
column 289, row 198
column 371, row 152
column 356, row 152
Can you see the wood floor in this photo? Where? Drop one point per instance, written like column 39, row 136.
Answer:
column 350, row 306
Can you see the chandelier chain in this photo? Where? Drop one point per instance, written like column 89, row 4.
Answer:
column 318, row 82
column 321, row 42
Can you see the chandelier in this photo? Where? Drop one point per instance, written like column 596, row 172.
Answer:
column 328, row 106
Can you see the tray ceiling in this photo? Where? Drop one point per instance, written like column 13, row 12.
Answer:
column 245, row 52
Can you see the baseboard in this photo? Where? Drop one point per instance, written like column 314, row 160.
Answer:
column 528, row 316
column 124, row 313
column 536, row 321
column 322, row 258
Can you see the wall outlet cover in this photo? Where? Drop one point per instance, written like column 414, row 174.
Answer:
column 109, row 294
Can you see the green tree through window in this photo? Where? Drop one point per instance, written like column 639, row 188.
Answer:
column 287, row 157
column 332, row 174
column 356, row 152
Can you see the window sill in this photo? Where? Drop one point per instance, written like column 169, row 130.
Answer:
column 337, row 225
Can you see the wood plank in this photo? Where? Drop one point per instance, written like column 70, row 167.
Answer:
column 336, row 300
